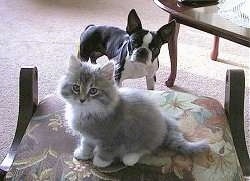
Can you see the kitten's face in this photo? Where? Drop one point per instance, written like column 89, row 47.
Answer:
column 89, row 85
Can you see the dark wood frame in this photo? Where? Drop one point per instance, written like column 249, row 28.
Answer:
column 28, row 101
column 234, row 108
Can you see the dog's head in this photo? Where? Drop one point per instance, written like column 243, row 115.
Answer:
column 145, row 45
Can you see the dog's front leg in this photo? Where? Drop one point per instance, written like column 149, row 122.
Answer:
column 151, row 82
column 119, row 82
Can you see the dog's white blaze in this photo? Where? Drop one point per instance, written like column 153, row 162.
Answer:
column 147, row 39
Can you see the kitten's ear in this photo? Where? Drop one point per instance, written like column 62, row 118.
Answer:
column 74, row 63
column 107, row 70
column 166, row 31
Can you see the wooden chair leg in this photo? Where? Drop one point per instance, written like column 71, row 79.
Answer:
column 172, row 47
column 215, row 50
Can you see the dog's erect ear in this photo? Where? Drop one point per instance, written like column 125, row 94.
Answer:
column 134, row 22
column 166, row 31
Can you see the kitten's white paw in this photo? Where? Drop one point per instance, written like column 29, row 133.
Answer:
column 101, row 163
column 80, row 154
column 131, row 159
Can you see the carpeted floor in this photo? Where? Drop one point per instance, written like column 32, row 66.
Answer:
column 44, row 33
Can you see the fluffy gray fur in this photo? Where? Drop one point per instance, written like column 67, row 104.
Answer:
column 116, row 123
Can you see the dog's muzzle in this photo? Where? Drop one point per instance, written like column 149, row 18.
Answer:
column 142, row 53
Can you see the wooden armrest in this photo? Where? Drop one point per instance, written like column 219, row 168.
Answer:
column 234, row 107
column 28, row 100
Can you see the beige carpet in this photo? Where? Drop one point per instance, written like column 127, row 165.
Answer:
column 44, row 33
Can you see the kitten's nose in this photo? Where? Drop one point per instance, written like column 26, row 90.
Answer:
column 82, row 100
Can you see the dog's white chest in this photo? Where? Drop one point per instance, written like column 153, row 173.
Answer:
column 133, row 69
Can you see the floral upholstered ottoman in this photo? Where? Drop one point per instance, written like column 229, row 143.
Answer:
column 46, row 149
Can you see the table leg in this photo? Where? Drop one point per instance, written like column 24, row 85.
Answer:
column 215, row 50
column 172, row 48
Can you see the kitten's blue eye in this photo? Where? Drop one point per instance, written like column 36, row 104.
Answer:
column 76, row 88
column 93, row 91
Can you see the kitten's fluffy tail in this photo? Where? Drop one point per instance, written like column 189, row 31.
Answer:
column 175, row 141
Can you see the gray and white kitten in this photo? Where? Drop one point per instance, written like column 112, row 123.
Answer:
column 116, row 123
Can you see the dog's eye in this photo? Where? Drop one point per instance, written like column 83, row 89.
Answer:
column 156, row 50
column 93, row 91
column 76, row 88
column 134, row 44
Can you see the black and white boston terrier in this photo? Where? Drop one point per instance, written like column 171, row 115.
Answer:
column 134, row 51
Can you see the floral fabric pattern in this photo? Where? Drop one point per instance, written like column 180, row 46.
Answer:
column 46, row 150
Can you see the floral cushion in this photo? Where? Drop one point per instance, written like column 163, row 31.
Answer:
column 45, row 152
